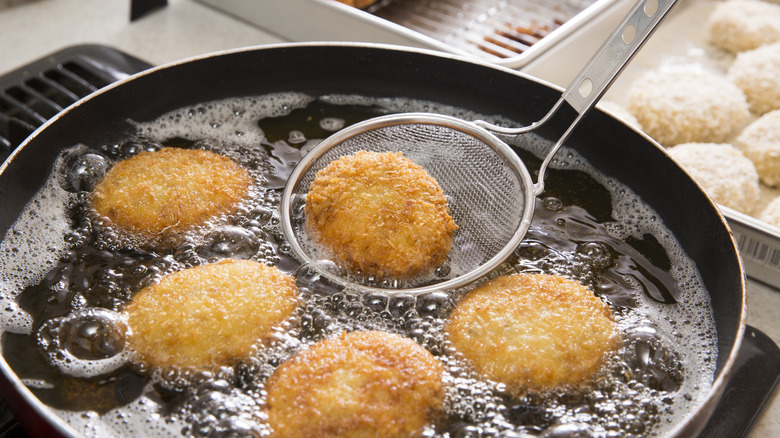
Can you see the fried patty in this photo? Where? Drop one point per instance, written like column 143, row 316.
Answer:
column 210, row 314
column 360, row 384
column 380, row 214
column 533, row 331
column 170, row 190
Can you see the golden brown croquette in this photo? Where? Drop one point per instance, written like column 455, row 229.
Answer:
column 533, row 331
column 170, row 190
column 380, row 214
column 361, row 384
column 210, row 314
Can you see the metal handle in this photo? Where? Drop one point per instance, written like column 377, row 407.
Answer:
column 613, row 56
column 599, row 73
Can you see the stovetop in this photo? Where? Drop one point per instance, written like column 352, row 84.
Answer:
column 34, row 93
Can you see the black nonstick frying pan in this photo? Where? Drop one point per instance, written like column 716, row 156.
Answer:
column 383, row 71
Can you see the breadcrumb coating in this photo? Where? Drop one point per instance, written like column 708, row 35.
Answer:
column 209, row 315
column 760, row 142
column 533, row 331
column 360, row 384
column 687, row 106
column 739, row 25
column 722, row 171
column 757, row 74
column 380, row 214
column 170, row 190
column 771, row 213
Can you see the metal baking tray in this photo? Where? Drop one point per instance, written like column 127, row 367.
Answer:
column 682, row 41
column 510, row 33
column 759, row 246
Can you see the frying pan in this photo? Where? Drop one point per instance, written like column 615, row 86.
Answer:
column 387, row 71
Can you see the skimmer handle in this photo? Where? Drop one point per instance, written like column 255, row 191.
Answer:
column 610, row 60
column 599, row 73
column 604, row 67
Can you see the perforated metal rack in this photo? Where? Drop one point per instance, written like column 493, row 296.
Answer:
column 489, row 28
column 32, row 94
column 510, row 33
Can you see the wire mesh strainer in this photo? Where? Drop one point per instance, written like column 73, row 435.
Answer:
column 491, row 193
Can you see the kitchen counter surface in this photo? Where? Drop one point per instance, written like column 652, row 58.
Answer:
column 34, row 28
column 31, row 29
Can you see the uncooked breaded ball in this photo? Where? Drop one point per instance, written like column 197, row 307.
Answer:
column 209, row 315
column 167, row 191
column 533, row 331
column 760, row 142
column 757, row 74
column 687, row 106
column 739, row 25
column 360, row 384
column 722, row 171
column 771, row 213
column 380, row 214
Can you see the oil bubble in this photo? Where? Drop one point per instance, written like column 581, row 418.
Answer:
column 569, row 430
column 651, row 358
column 433, row 304
column 598, row 252
column 136, row 146
column 376, row 302
column 317, row 276
column 85, row 343
column 400, row 304
column 552, row 203
column 229, row 241
column 332, row 124
column 297, row 207
column 95, row 334
column 80, row 168
column 296, row 137
column 517, row 434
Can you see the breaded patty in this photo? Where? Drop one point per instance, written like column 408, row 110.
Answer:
column 209, row 315
column 760, row 142
column 757, row 74
column 380, row 214
column 771, row 213
column 360, row 384
column 533, row 331
column 687, row 105
column 722, row 171
column 170, row 190
column 739, row 25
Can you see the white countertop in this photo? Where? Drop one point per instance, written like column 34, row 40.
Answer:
column 185, row 28
column 31, row 29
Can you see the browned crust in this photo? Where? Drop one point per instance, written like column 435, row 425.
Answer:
column 361, row 384
column 380, row 214
column 170, row 190
column 533, row 331
column 209, row 315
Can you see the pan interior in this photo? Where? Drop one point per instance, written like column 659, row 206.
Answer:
column 633, row 262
